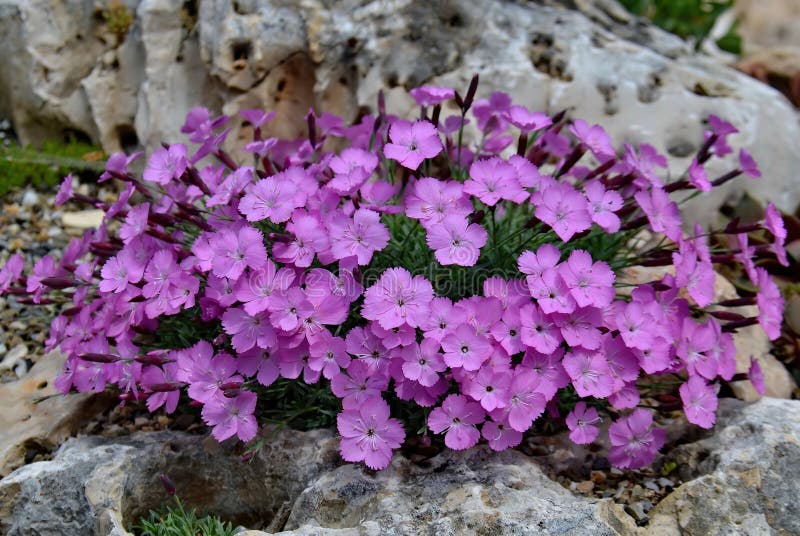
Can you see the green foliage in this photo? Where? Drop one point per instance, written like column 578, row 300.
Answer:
column 176, row 521
column 118, row 18
column 45, row 167
column 687, row 18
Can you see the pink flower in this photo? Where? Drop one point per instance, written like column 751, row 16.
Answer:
column 358, row 384
column 360, row 236
column 463, row 347
column 351, row 169
column 411, row 143
column 248, row 331
column 432, row 95
column 582, row 424
column 423, row 362
column 589, row 372
column 489, row 387
column 64, row 191
column 230, row 416
column 527, row 121
column 274, row 198
column 287, row 308
column 458, row 416
column 773, row 221
column 699, row 402
column 594, row 137
column 602, row 206
column 499, row 434
column 538, row 330
column 236, row 250
column 11, row 271
column 525, row 401
column 494, row 179
column 328, row 354
column 231, row 186
column 661, row 211
column 770, row 304
column 166, row 164
column 368, row 434
column 634, row 440
column 456, row 241
column 551, row 293
column 135, row 223
column 118, row 271
column 433, row 199
column 441, row 318
column 698, row 177
column 534, row 264
column 397, row 298
column 589, row 283
column 756, row 376
column 564, row 209
column 748, row 165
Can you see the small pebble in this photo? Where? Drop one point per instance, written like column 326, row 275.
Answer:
column 30, row 198
column 666, row 483
column 14, row 356
column 585, row 487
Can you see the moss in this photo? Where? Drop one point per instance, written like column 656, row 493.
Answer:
column 21, row 166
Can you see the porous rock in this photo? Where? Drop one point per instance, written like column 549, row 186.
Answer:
column 594, row 60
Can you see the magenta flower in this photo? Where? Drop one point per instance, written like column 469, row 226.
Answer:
column 770, row 304
column 423, row 362
column 489, row 387
column 358, row 384
column 254, row 290
column 328, row 355
column 538, row 330
column 441, row 319
column 582, row 424
column 773, row 221
column 236, row 250
column 411, row 143
column 11, row 271
column 351, row 169
column 494, row 179
column 118, row 163
column 64, row 191
column 499, row 434
column 551, row 293
column 564, row 209
column 526, row 402
column 135, row 223
column 464, row 348
column 756, row 376
column 748, row 165
column 397, row 298
column 166, row 164
column 432, row 95
column 634, row 440
column 527, row 121
column 232, row 416
column 534, row 264
column 456, row 241
column 248, row 331
column 594, row 137
column 699, row 402
column 661, row 211
column 273, row 198
column 360, row 236
column 433, row 199
column 369, row 434
column 458, row 416
column 589, row 283
column 698, row 177
column 602, row 206
column 589, row 372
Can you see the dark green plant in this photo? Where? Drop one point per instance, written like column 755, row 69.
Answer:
column 687, row 18
column 176, row 521
column 45, row 167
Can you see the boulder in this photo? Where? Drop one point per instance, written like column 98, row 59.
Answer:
column 36, row 419
column 69, row 72
column 296, row 485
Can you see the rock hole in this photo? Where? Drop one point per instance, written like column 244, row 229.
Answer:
column 128, row 139
column 75, row 135
column 42, row 385
column 241, row 50
column 352, row 42
column 36, row 451
column 281, row 84
column 392, row 80
column 680, row 147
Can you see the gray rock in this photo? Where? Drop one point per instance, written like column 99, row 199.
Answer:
column 743, row 480
column 749, row 475
column 66, row 72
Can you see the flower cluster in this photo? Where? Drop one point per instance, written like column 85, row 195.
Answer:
column 409, row 268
